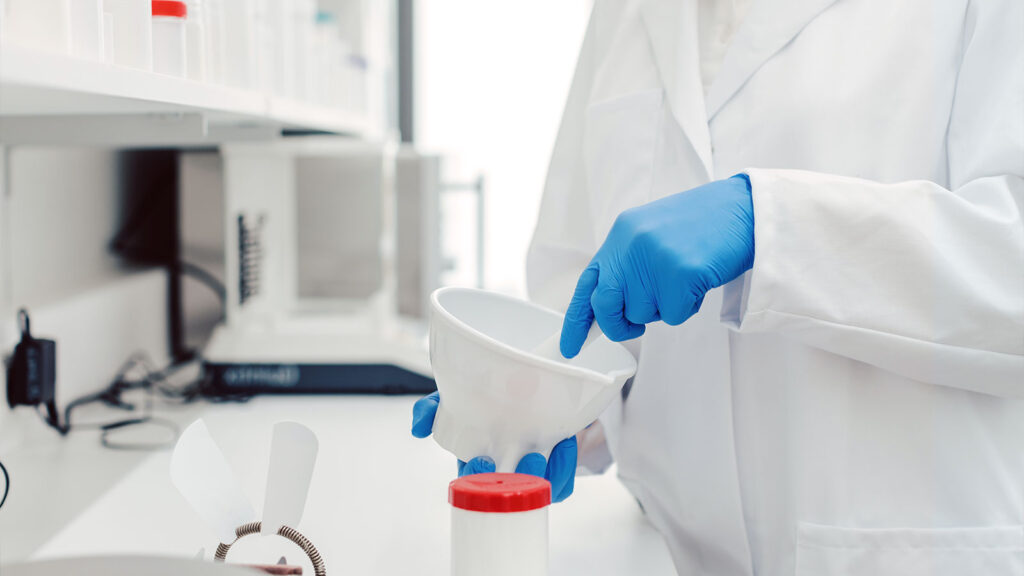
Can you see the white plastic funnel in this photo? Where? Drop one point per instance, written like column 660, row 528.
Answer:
column 499, row 398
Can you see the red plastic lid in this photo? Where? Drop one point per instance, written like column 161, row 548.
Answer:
column 175, row 8
column 498, row 492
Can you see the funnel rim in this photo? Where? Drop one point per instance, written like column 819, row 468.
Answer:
column 608, row 378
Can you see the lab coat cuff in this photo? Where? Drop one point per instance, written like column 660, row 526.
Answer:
column 745, row 295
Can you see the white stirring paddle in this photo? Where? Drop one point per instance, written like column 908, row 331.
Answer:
column 292, row 457
column 204, row 478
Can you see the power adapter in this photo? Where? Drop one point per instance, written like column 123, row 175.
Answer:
column 32, row 371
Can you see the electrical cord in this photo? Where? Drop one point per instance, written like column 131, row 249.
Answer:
column 7, row 484
column 153, row 382
column 203, row 276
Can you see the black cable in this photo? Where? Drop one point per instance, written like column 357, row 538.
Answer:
column 7, row 484
column 153, row 381
column 173, row 428
column 206, row 278
column 112, row 397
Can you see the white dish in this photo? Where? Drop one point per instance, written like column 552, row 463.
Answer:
column 500, row 399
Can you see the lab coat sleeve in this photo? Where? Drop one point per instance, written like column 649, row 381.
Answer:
column 564, row 239
column 911, row 277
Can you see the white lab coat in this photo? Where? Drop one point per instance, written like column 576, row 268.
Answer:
column 854, row 405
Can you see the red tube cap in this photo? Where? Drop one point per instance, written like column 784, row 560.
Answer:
column 498, row 492
column 174, row 8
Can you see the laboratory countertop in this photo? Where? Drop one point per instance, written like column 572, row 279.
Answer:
column 377, row 503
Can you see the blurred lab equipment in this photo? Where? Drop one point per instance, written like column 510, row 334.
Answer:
column 32, row 371
column 32, row 382
column 331, row 252
column 498, row 398
column 499, row 525
column 203, row 476
column 170, row 44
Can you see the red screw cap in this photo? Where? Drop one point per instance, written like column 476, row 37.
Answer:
column 499, row 492
column 174, row 8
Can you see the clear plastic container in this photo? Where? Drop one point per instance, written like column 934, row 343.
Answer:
column 499, row 525
column 87, row 29
column 326, row 52
column 39, row 24
column 170, row 50
column 303, row 30
column 213, row 22
column 128, row 30
column 271, row 50
column 195, row 36
column 238, row 65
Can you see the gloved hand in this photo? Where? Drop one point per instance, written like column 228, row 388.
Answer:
column 660, row 259
column 560, row 469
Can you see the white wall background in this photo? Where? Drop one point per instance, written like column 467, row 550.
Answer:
column 491, row 82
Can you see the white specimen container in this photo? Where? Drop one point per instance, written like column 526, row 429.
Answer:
column 170, row 49
column 129, row 28
column 39, row 24
column 239, row 63
column 303, row 30
column 87, row 29
column 213, row 22
column 272, row 56
column 195, row 37
column 499, row 525
column 325, row 54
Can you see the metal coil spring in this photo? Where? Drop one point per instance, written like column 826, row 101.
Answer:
column 290, row 533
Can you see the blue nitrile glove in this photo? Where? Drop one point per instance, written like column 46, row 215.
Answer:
column 560, row 469
column 660, row 259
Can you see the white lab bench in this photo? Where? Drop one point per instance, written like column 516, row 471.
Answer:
column 377, row 504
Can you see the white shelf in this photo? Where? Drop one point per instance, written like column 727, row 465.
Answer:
column 300, row 115
column 39, row 85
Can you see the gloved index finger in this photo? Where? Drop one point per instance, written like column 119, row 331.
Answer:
column 579, row 316
column 423, row 413
column 561, row 471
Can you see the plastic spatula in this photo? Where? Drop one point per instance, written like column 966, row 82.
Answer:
column 551, row 350
column 202, row 475
column 292, row 457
